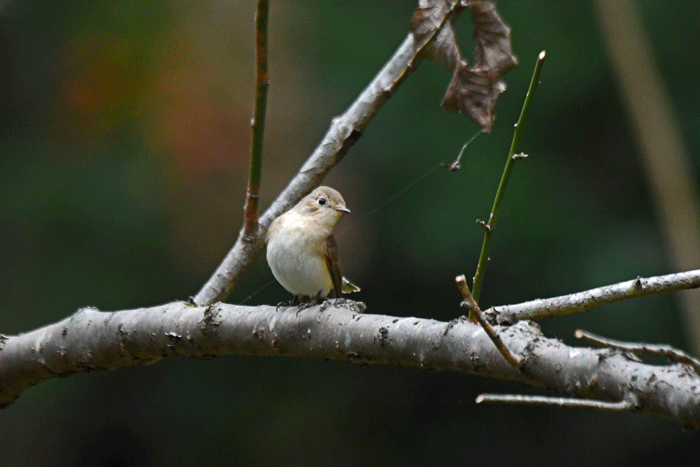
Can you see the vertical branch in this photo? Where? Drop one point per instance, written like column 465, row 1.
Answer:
column 258, row 121
column 512, row 157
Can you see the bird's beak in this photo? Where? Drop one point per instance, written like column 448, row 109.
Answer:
column 341, row 208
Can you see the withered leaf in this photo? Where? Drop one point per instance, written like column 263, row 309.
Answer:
column 474, row 90
column 426, row 20
column 472, row 93
column 493, row 51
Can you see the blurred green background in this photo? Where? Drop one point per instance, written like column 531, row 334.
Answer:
column 124, row 141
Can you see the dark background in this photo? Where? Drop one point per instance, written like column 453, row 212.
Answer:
column 124, row 142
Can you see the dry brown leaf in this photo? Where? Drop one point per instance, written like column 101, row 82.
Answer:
column 474, row 90
column 493, row 51
column 472, row 93
column 427, row 18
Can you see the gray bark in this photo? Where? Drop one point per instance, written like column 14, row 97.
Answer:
column 93, row 340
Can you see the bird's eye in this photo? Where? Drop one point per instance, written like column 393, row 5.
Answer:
column 322, row 201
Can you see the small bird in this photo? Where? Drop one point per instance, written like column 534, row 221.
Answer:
column 301, row 249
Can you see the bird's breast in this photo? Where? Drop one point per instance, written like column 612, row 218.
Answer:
column 296, row 256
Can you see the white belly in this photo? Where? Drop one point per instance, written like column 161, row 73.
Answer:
column 295, row 267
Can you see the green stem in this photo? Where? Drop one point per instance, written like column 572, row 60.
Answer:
column 258, row 121
column 512, row 157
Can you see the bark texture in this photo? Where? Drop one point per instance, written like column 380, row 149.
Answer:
column 92, row 340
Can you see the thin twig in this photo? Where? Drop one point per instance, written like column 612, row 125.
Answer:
column 637, row 348
column 258, row 121
column 473, row 307
column 584, row 301
column 454, row 165
column 621, row 406
column 514, row 147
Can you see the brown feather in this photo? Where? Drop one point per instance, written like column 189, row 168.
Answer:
column 333, row 263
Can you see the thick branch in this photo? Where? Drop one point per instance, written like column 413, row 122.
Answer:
column 584, row 301
column 345, row 130
column 93, row 340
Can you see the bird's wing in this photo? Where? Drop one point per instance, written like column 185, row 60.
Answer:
column 333, row 263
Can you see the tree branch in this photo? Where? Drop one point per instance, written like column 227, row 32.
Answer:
column 621, row 406
column 473, row 307
column 639, row 348
column 669, row 164
column 345, row 130
column 250, row 217
column 513, row 156
column 584, row 301
column 92, row 340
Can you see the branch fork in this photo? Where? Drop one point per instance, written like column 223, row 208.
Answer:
column 473, row 307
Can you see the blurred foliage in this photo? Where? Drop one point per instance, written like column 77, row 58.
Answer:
column 124, row 141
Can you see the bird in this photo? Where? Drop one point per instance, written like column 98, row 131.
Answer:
column 301, row 249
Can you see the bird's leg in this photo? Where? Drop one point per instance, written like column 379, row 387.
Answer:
column 294, row 301
column 307, row 302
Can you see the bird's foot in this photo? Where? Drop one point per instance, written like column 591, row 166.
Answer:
column 283, row 305
column 352, row 305
column 293, row 302
column 304, row 305
column 308, row 302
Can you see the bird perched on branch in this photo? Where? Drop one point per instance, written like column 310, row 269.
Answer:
column 301, row 249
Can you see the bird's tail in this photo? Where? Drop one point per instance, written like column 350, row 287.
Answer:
column 349, row 287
